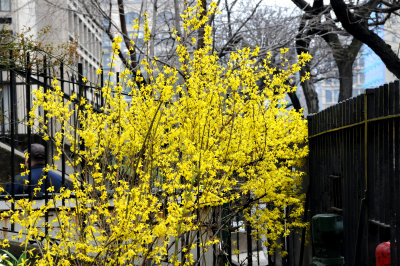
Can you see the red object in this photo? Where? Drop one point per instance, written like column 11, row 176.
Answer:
column 382, row 254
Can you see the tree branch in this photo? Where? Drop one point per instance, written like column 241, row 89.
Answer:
column 360, row 31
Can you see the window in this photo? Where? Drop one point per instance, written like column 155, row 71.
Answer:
column 361, row 62
column 165, row 17
column 327, row 64
column 70, row 22
column 80, row 31
column 5, row 5
column 328, row 96
column 85, row 36
column 130, row 18
column 362, row 78
column 336, row 81
column 336, row 96
column 354, row 78
column 106, row 23
column 76, row 29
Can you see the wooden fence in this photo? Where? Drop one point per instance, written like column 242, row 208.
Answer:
column 355, row 170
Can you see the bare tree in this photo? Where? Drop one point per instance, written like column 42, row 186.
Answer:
column 356, row 23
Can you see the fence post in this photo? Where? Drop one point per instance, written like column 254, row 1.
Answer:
column 28, row 127
column 12, row 127
column 80, row 95
column 78, row 123
column 395, row 186
column 3, row 123
column 101, row 91
column 46, row 193
column 198, row 237
column 249, row 239
column 62, row 133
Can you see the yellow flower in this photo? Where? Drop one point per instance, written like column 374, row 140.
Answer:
column 191, row 138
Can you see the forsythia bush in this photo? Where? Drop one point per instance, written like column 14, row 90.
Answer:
column 149, row 169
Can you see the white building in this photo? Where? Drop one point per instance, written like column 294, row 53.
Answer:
column 368, row 70
column 161, row 21
column 64, row 25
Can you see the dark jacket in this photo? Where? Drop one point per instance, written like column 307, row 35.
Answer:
column 53, row 179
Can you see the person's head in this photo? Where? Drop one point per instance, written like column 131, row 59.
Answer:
column 37, row 156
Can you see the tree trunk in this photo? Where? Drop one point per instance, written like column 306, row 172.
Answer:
column 177, row 18
column 345, row 69
column 201, row 31
column 310, row 94
column 302, row 46
column 153, row 29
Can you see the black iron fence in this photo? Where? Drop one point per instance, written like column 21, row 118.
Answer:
column 355, row 170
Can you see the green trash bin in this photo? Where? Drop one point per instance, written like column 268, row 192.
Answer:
column 327, row 236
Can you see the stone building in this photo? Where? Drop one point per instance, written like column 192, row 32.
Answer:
column 63, row 23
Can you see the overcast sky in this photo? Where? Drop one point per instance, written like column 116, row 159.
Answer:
column 285, row 3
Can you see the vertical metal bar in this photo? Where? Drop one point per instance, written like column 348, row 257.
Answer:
column 198, row 236
column 46, row 193
column 380, row 212
column 369, row 166
column 182, row 246
column 214, row 247
column 81, row 94
column 392, row 177
column 28, row 127
column 237, row 238
column 258, row 249
column 97, row 93
column 348, row 220
column 78, row 123
column 303, row 231
column 386, row 152
column 249, row 240
column 101, row 91
column 13, row 88
column 396, row 198
column 229, row 242
column 62, row 133
column 395, row 228
column 3, row 120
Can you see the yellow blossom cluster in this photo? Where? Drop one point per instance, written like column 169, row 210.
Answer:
column 149, row 169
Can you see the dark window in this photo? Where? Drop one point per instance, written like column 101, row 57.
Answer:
column 5, row 20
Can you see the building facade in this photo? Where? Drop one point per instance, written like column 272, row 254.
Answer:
column 62, row 22
column 161, row 23
column 368, row 70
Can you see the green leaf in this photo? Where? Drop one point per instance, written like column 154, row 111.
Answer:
column 22, row 259
column 9, row 254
